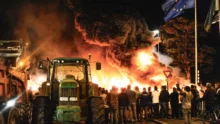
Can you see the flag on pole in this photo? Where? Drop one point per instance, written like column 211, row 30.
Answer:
column 174, row 8
column 214, row 6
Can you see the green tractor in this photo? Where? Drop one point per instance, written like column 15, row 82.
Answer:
column 68, row 95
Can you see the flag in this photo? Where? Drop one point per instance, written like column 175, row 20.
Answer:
column 174, row 8
column 216, row 18
column 210, row 16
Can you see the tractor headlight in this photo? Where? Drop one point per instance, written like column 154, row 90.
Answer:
column 11, row 103
column 63, row 98
column 73, row 99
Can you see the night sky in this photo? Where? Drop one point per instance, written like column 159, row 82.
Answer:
column 150, row 10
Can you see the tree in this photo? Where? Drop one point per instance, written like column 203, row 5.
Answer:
column 178, row 39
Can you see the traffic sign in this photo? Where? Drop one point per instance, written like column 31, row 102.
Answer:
column 167, row 73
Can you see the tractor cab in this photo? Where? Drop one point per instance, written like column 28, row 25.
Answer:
column 69, row 85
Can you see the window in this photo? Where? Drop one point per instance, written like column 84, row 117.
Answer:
column 76, row 70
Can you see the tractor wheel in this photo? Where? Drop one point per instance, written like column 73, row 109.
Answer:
column 40, row 110
column 97, row 110
column 2, row 121
column 25, row 113
column 13, row 116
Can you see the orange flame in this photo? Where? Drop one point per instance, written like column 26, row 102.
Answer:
column 144, row 63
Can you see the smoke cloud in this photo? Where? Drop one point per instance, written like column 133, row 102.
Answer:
column 113, row 36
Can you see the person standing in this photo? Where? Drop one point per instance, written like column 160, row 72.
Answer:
column 143, row 104
column 123, row 105
column 180, row 102
column 194, row 101
column 209, row 97
column 132, row 104
column 164, row 99
column 174, row 101
column 149, row 102
column 155, row 101
column 113, row 105
column 138, row 108
column 104, row 97
column 186, row 104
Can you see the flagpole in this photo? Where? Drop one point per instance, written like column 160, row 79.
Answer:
column 196, row 49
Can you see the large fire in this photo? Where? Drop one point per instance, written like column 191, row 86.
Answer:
column 118, row 37
column 145, row 63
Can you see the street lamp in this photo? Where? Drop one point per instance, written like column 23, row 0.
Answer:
column 156, row 35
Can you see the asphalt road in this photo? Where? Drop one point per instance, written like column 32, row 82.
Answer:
column 168, row 121
column 175, row 121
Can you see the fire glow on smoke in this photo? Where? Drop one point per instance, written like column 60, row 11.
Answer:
column 118, row 37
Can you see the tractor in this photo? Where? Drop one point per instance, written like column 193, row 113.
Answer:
column 15, row 107
column 68, row 95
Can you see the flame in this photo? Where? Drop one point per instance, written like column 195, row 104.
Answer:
column 144, row 63
column 144, row 59
column 35, row 82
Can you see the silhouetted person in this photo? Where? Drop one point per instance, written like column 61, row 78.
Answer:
column 149, row 102
column 123, row 105
column 113, row 105
column 174, row 101
column 194, row 101
column 164, row 99
column 209, row 97
column 132, row 104
column 143, row 103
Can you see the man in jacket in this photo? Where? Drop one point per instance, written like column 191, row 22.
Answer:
column 174, row 101
column 143, row 103
column 132, row 104
column 123, row 105
column 164, row 99
column 113, row 105
column 209, row 97
column 194, row 101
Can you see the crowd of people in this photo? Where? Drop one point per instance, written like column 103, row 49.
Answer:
column 182, row 102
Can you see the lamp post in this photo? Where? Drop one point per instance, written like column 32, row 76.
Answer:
column 156, row 35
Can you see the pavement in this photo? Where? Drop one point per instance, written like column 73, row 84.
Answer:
column 177, row 121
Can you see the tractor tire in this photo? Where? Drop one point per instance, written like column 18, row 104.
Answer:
column 25, row 113
column 2, row 120
column 40, row 110
column 97, row 110
column 13, row 116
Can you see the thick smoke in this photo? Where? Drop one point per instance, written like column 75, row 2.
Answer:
column 47, row 29
column 122, row 32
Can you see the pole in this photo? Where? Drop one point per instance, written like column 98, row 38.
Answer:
column 196, row 49
column 217, row 4
column 158, row 50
